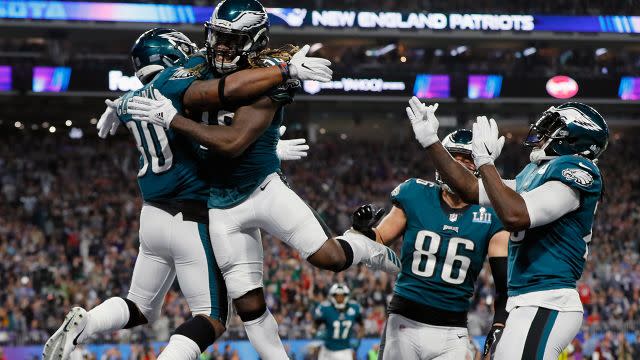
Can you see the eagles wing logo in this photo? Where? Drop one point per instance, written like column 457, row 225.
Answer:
column 579, row 176
column 245, row 21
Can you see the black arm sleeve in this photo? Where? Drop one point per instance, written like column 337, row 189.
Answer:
column 499, row 271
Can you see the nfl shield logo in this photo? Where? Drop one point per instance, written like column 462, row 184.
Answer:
column 453, row 217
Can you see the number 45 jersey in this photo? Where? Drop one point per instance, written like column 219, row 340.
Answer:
column 443, row 249
column 170, row 167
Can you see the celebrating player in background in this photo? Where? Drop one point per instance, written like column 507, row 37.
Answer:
column 339, row 315
column 549, row 209
column 173, row 222
column 445, row 242
column 248, row 191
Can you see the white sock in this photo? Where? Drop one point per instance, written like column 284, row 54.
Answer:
column 180, row 347
column 111, row 315
column 263, row 334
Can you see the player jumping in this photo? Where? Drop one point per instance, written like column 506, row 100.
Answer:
column 339, row 315
column 173, row 223
column 445, row 243
column 549, row 209
column 247, row 190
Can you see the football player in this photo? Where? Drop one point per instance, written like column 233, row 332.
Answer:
column 549, row 209
column 339, row 315
column 173, row 222
column 248, row 192
column 445, row 243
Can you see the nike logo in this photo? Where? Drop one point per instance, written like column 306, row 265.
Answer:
column 306, row 67
column 75, row 340
column 488, row 152
column 265, row 185
column 462, row 336
column 67, row 324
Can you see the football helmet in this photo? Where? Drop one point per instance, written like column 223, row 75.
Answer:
column 237, row 30
column 339, row 290
column 158, row 49
column 570, row 129
column 457, row 142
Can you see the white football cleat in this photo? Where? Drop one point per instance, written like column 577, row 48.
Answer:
column 380, row 257
column 64, row 340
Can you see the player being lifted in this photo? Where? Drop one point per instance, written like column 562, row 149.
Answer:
column 445, row 242
column 247, row 190
column 339, row 315
column 173, row 223
column 549, row 209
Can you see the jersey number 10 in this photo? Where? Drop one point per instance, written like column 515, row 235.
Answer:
column 420, row 268
column 153, row 145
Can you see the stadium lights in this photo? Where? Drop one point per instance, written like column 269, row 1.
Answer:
column 34, row 127
column 93, row 121
column 438, row 52
column 403, row 59
column 529, row 51
column 68, row 123
column 17, row 124
column 45, row 125
column 381, row 51
column 52, row 129
column 315, row 47
column 601, row 51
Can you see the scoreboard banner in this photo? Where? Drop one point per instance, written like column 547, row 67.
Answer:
column 329, row 19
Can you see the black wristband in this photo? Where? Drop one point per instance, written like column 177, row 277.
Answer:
column 223, row 99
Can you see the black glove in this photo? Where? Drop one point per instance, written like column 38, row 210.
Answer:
column 492, row 339
column 365, row 218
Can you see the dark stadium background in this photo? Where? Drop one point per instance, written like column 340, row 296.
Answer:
column 69, row 203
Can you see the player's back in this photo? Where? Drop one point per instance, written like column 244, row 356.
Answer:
column 443, row 252
column 553, row 256
column 169, row 162
column 339, row 324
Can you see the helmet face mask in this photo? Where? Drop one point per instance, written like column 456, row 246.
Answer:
column 237, row 30
column 458, row 143
column 339, row 296
column 569, row 129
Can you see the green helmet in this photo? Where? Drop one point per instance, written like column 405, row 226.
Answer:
column 457, row 142
column 159, row 48
column 569, row 129
column 237, row 30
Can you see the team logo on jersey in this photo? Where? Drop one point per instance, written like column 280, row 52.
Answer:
column 482, row 216
column 448, row 227
column 182, row 73
column 396, row 191
column 453, row 217
column 579, row 176
column 351, row 312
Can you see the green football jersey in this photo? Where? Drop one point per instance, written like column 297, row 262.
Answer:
column 552, row 256
column 234, row 179
column 339, row 324
column 169, row 162
column 443, row 249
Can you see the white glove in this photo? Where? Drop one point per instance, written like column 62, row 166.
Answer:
column 109, row 122
column 486, row 145
column 159, row 111
column 302, row 67
column 424, row 122
column 294, row 149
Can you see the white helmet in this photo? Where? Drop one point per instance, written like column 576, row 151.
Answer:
column 339, row 289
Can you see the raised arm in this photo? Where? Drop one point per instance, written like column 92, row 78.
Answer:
column 425, row 127
column 244, row 86
column 236, row 88
column 389, row 229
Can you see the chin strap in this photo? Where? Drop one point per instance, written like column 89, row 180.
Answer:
column 538, row 155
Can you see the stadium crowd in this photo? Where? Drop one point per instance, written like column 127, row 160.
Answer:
column 69, row 220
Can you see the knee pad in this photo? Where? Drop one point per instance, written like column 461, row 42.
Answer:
column 251, row 306
column 135, row 315
column 242, row 278
column 200, row 330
